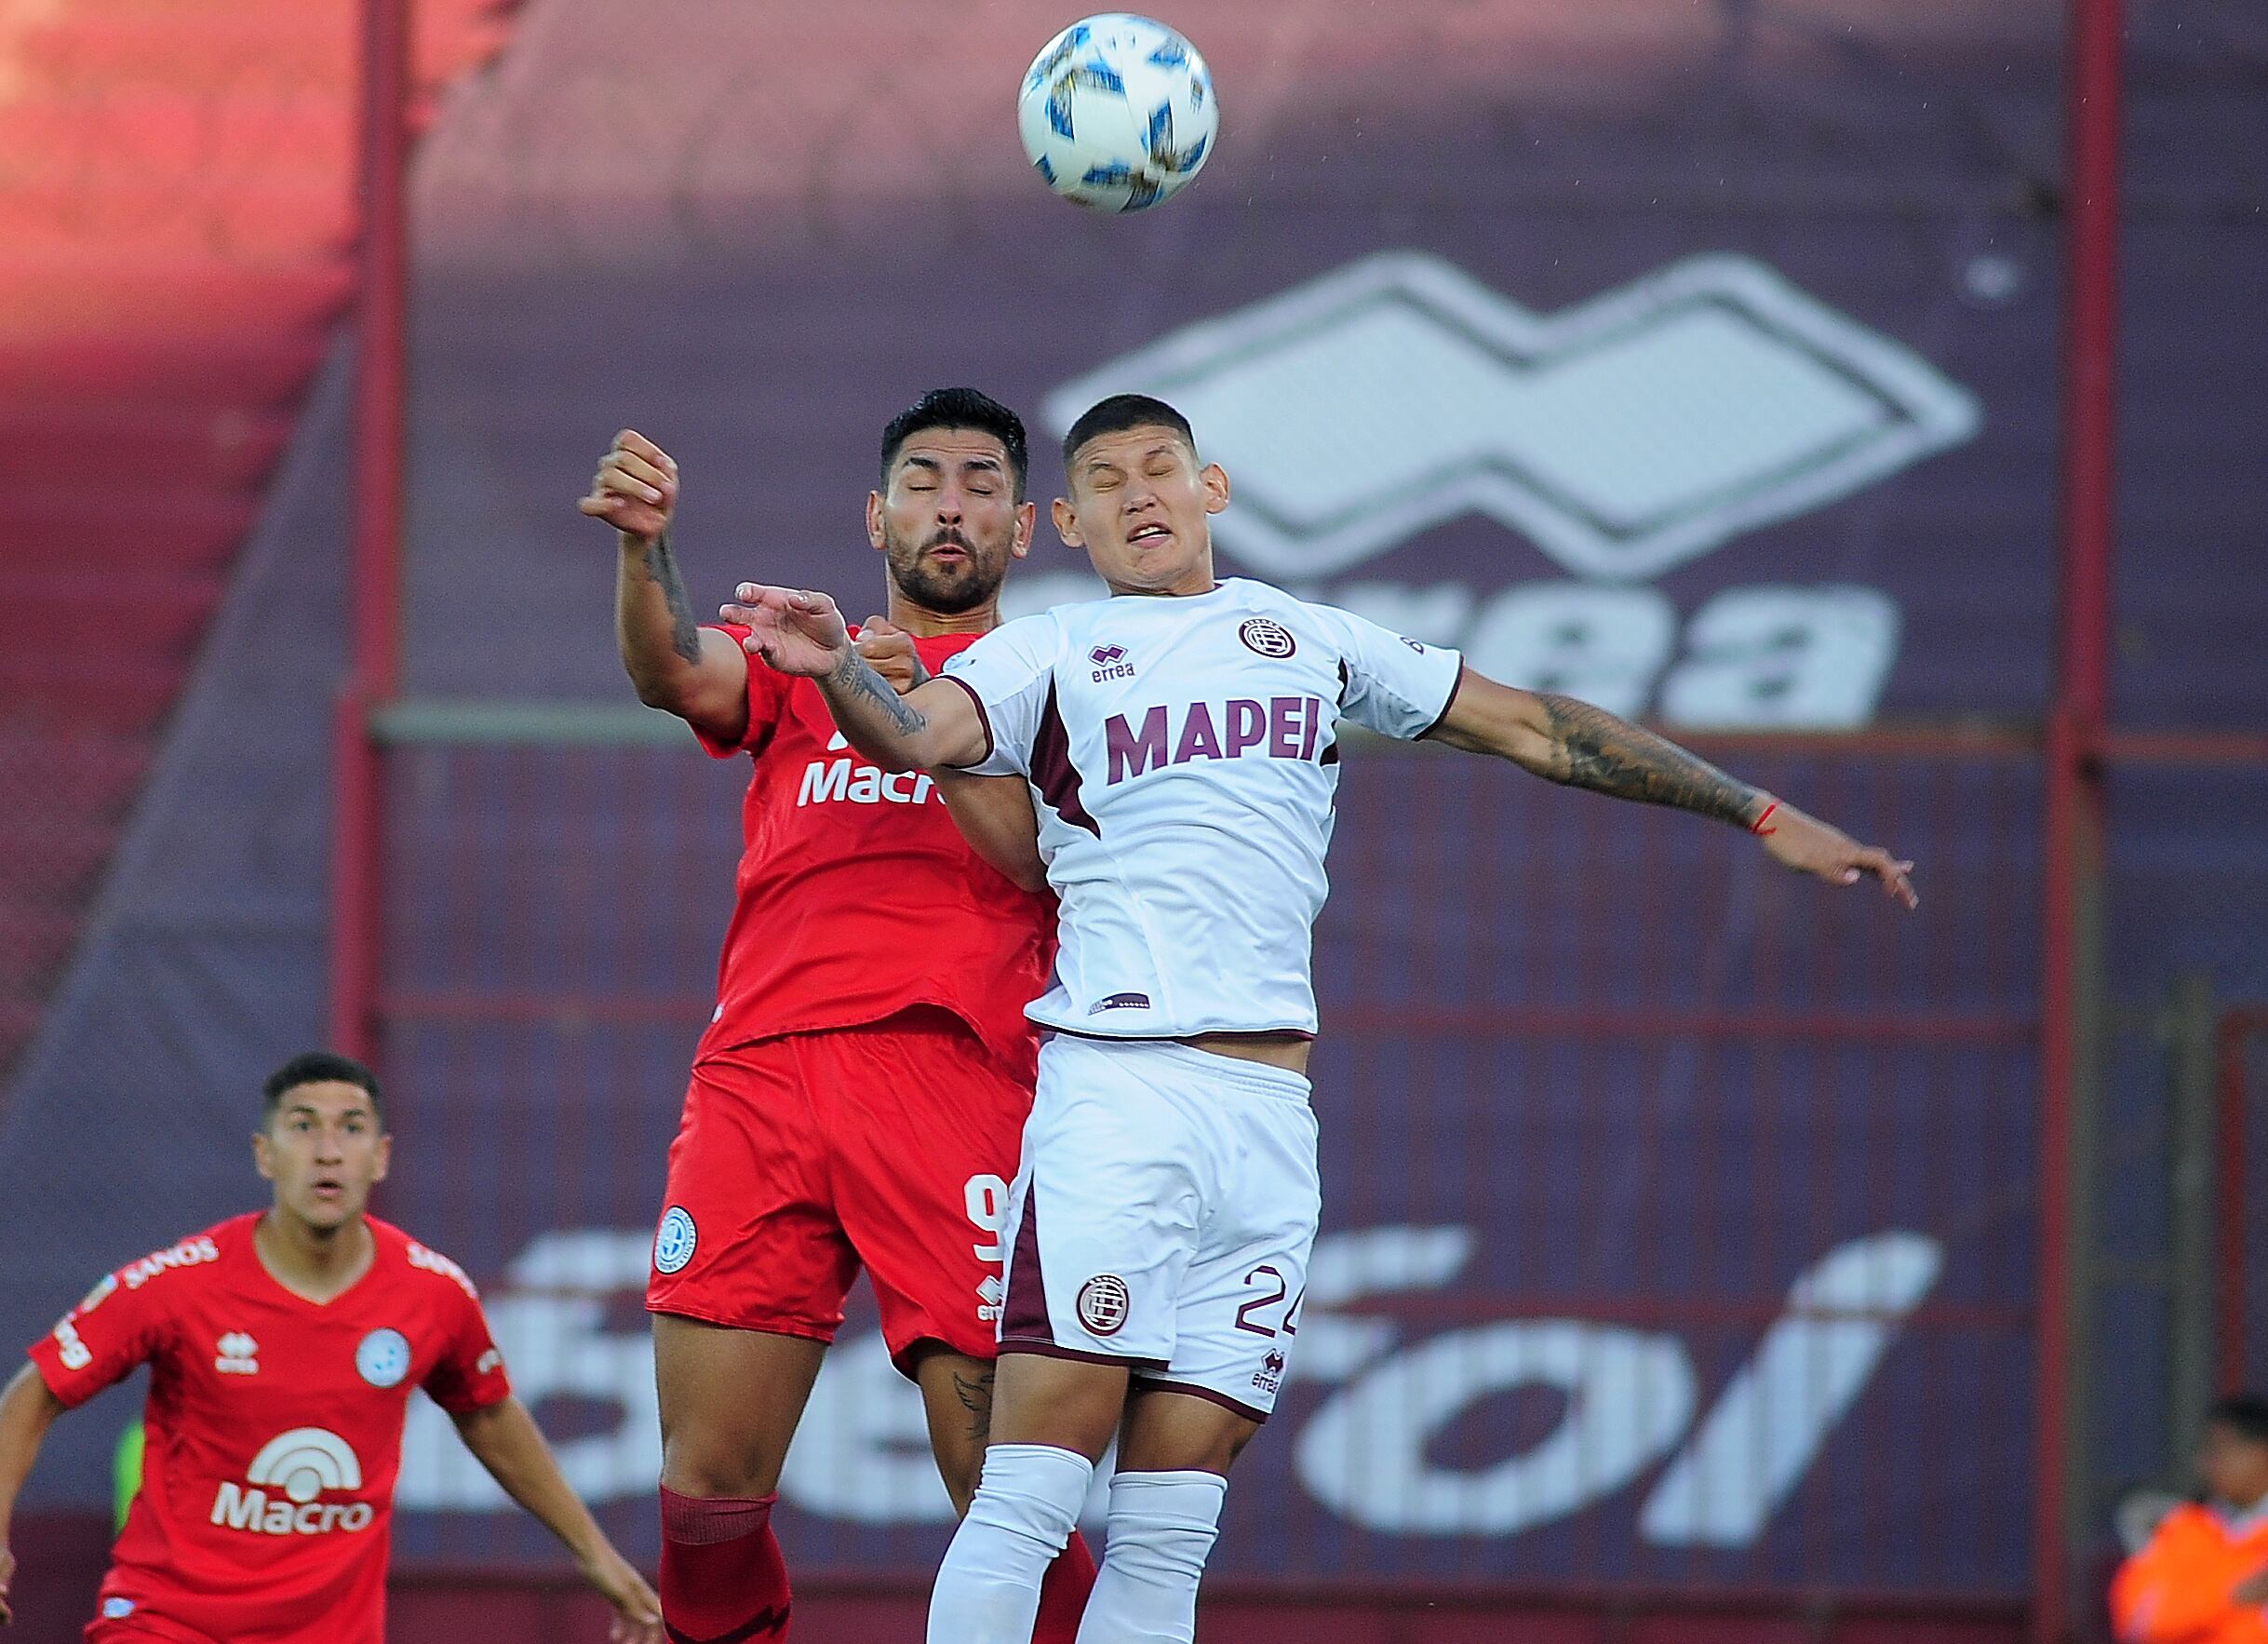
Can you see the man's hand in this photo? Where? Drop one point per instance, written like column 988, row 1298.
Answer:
column 7, row 1574
column 793, row 630
column 635, row 487
column 1809, row 845
column 637, row 1613
column 889, row 650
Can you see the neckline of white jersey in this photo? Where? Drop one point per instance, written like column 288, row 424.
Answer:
column 1220, row 585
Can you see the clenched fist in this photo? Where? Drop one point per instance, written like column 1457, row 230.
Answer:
column 889, row 650
column 635, row 487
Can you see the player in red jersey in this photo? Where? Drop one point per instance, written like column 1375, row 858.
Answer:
column 860, row 1094
column 283, row 1346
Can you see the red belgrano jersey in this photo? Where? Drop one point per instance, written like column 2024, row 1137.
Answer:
column 1183, row 757
column 274, row 1429
column 857, row 898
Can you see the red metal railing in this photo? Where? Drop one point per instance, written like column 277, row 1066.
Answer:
column 381, row 413
column 2076, row 723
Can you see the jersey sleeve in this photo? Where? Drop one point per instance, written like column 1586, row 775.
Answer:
column 470, row 1373
column 105, row 1337
column 767, row 691
column 1396, row 687
column 1008, row 674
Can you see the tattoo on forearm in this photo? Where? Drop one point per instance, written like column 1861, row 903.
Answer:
column 975, row 1395
column 856, row 678
column 1612, row 756
column 661, row 570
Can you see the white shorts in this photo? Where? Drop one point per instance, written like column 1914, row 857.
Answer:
column 1163, row 1216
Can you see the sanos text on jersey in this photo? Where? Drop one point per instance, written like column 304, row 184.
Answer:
column 188, row 1253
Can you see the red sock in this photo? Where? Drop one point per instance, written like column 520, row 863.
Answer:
column 1063, row 1594
column 723, row 1580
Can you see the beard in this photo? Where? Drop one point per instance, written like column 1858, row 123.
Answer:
column 948, row 589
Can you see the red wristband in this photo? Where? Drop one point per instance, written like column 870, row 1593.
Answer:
column 1758, row 826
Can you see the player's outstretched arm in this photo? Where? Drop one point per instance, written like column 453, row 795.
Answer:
column 800, row 632
column 27, row 1411
column 504, row 1439
column 1571, row 742
column 696, row 673
column 994, row 814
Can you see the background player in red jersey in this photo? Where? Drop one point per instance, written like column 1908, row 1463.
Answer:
column 861, row 1092
column 283, row 1347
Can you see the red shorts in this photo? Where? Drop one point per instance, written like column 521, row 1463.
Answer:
column 802, row 1157
column 141, row 1629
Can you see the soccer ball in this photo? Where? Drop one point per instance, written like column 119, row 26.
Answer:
column 1118, row 113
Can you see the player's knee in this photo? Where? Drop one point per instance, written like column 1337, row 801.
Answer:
column 714, row 1462
column 1163, row 1524
column 1032, row 1493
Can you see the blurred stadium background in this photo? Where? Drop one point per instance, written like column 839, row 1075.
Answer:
column 1706, row 1257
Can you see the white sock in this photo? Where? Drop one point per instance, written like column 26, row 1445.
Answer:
column 1026, row 1505
column 1163, row 1524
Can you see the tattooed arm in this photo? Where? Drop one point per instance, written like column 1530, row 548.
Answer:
column 696, row 673
column 1566, row 741
column 799, row 632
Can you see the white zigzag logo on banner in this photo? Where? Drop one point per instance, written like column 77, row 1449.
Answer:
column 1624, row 436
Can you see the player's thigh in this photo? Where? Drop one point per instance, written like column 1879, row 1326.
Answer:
column 957, row 1399
column 749, row 1236
column 1236, row 1326
column 925, row 1128
column 1173, row 1430
column 1072, row 1404
column 729, row 1402
column 1104, row 1213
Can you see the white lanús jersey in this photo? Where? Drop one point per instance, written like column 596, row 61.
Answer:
column 1182, row 756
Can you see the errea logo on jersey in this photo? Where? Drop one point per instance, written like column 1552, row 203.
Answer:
column 850, row 781
column 238, row 1355
column 299, row 1465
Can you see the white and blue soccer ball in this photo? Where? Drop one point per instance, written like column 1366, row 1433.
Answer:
column 1118, row 113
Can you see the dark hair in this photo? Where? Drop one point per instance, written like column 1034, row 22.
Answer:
column 1117, row 415
column 2245, row 1414
column 320, row 1066
column 960, row 408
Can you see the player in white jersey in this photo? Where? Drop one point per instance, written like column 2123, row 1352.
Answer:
column 1179, row 741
